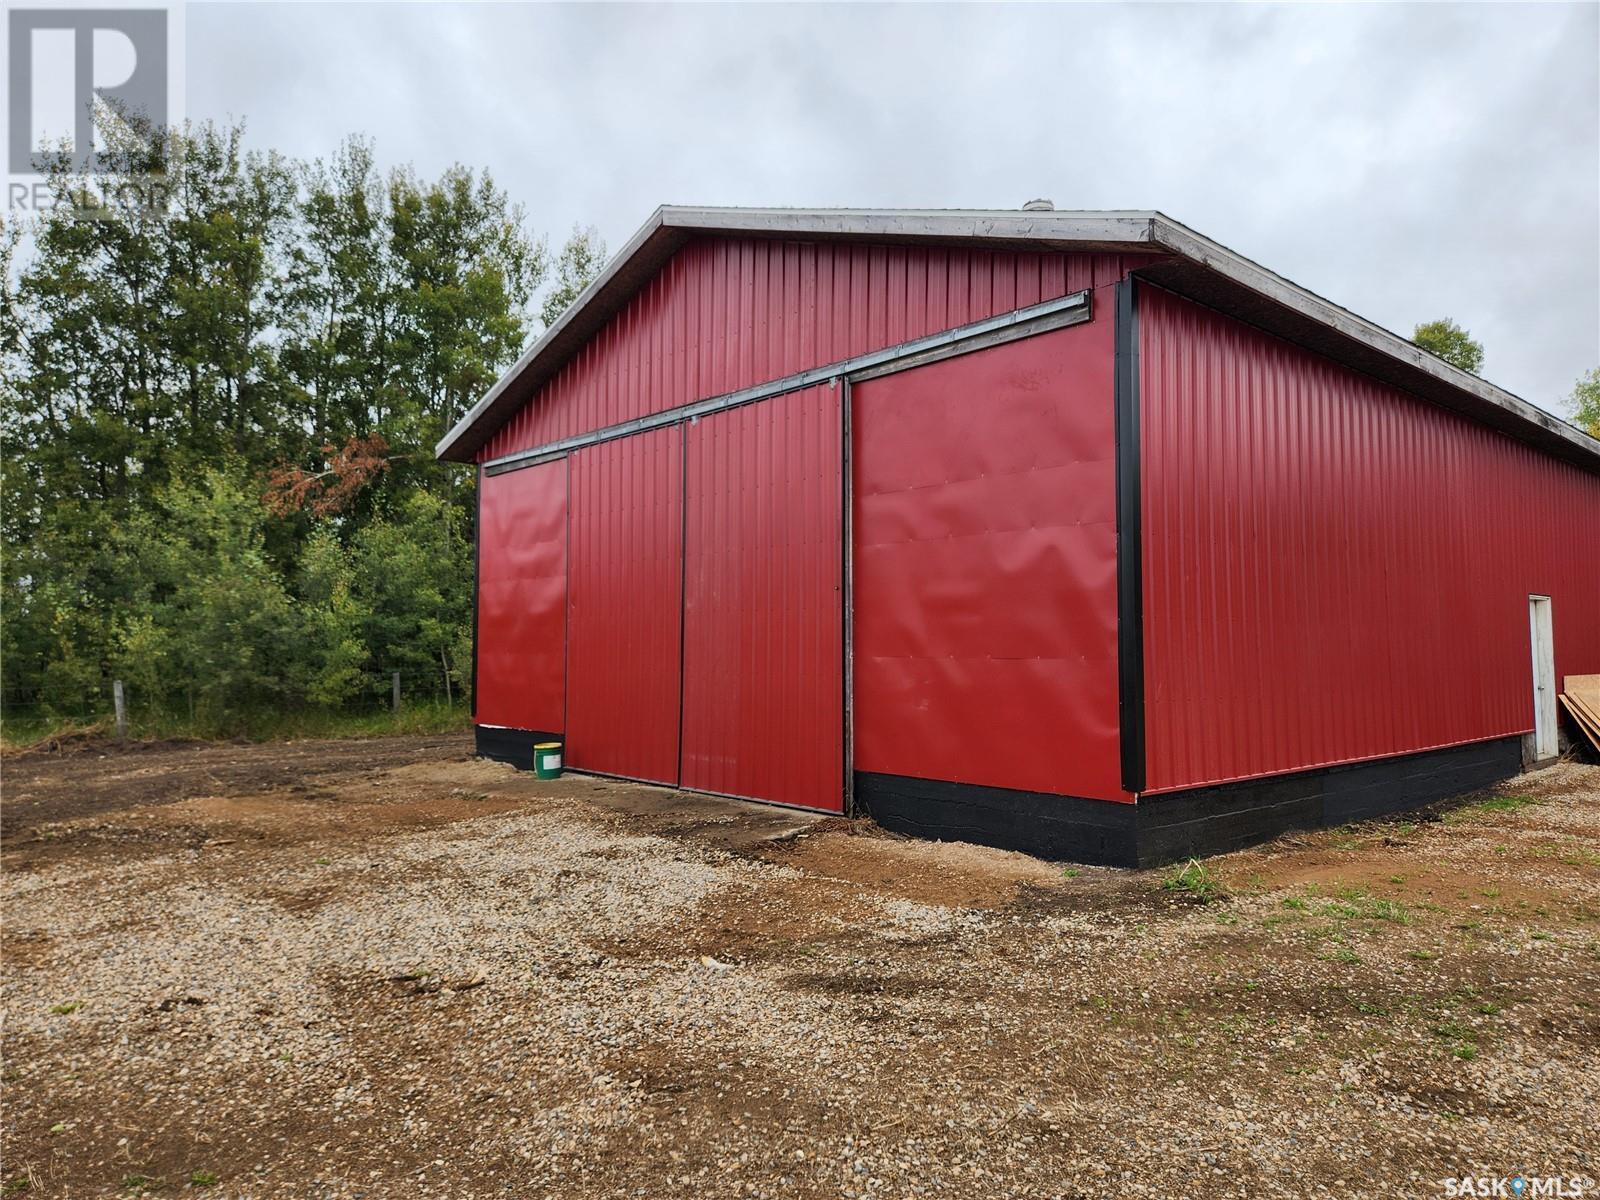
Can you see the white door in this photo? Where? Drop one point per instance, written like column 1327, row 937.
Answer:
column 1544, row 677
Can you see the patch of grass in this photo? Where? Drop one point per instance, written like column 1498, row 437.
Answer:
column 1347, row 837
column 1342, row 955
column 203, row 1178
column 1357, row 904
column 140, row 1184
column 67, row 1009
column 1421, row 955
column 1070, row 872
column 1197, row 880
column 1503, row 803
column 1488, row 806
column 1350, row 904
column 1464, row 1037
column 424, row 715
column 16, row 1185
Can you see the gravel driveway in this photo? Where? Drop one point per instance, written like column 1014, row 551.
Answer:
column 385, row 969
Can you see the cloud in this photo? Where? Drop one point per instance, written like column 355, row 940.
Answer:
column 1407, row 161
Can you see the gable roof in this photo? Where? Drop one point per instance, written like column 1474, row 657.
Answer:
column 1180, row 259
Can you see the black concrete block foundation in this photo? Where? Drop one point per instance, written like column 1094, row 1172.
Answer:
column 1164, row 829
column 514, row 746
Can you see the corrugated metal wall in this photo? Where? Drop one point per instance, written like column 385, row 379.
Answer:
column 625, row 606
column 985, row 600
column 729, row 313
column 1333, row 569
column 763, row 686
column 522, row 599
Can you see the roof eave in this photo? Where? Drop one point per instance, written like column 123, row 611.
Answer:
column 1198, row 267
column 1208, row 255
column 671, row 225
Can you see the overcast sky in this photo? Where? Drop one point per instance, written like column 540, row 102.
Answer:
column 1406, row 161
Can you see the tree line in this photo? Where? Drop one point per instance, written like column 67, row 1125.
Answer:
column 219, row 417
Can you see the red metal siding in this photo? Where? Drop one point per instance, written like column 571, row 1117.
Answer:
column 522, row 599
column 763, row 689
column 985, row 568
column 625, row 606
column 729, row 313
column 1335, row 570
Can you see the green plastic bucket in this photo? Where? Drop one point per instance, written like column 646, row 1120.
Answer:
column 547, row 760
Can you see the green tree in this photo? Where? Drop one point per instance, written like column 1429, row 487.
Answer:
column 341, row 297
column 412, row 579
column 466, row 271
column 334, row 620
column 1585, row 402
column 581, row 259
column 1450, row 342
column 219, row 418
column 212, row 620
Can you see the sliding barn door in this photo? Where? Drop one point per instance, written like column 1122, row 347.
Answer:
column 763, row 684
column 985, row 623
column 625, row 606
column 522, row 600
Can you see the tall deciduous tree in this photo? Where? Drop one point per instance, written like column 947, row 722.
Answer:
column 1451, row 343
column 581, row 259
column 1586, row 403
column 300, row 332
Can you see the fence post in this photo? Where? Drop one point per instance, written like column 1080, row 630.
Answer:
column 122, row 710
column 397, row 691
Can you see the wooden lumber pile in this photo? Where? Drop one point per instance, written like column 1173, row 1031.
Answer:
column 1582, row 700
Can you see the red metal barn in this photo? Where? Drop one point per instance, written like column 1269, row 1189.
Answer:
column 1070, row 532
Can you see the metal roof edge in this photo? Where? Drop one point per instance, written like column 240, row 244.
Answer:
column 669, row 226
column 1201, row 250
column 1116, row 227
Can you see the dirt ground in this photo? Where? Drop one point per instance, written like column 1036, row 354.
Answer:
column 380, row 968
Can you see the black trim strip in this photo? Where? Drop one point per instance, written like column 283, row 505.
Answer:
column 566, row 600
column 477, row 547
column 683, row 583
column 847, row 574
column 1130, row 543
